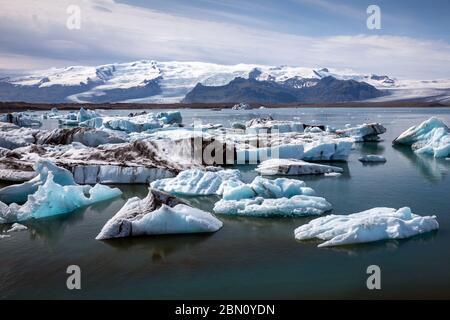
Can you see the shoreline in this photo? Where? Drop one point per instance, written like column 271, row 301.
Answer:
column 24, row 106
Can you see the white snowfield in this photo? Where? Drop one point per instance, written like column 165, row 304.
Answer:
column 372, row 158
column 198, row 182
column 293, row 167
column 176, row 78
column 430, row 137
column 366, row 226
column 53, row 199
column 158, row 213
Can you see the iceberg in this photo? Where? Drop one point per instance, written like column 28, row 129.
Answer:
column 12, row 136
column 293, row 167
column 372, row 158
column 88, row 137
column 198, row 182
column 17, row 227
column 52, row 199
column 327, row 150
column 158, row 213
column 266, row 188
column 84, row 115
column 21, row 119
column 430, row 137
column 19, row 193
column 363, row 132
column 366, row 226
column 295, row 206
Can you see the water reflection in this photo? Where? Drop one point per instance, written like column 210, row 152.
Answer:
column 433, row 169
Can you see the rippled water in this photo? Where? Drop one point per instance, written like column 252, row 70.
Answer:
column 253, row 257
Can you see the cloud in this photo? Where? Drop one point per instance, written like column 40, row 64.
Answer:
column 34, row 33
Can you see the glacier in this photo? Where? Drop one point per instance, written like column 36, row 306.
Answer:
column 158, row 213
column 293, row 167
column 366, row 226
column 430, row 137
column 53, row 199
column 199, row 182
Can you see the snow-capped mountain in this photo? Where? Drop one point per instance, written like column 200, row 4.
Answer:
column 166, row 82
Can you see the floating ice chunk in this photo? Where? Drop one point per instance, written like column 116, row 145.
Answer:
column 21, row 119
column 17, row 227
column 88, row 137
column 372, row 158
column 327, row 149
column 430, row 137
column 262, row 187
column 363, row 132
column 84, row 115
column 199, row 182
column 158, row 213
column 332, row 174
column 52, row 199
column 293, row 167
column 4, row 236
column 255, row 155
column 366, row 226
column 241, row 106
column 299, row 205
column 18, row 193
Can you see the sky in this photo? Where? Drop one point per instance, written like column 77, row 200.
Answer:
column 413, row 42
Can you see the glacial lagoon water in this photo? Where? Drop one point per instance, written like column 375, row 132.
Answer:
column 254, row 258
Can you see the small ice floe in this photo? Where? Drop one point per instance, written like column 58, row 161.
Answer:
column 372, row 158
column 4, row 236
column 363, row 132
column 52, row 199
column 158, row 213
column 294, row 167
column 430, row 137
column 332, row 174
column 17, row 227
column 264, row 198
column 241, row 106
column 366, row 226
column 195, row 182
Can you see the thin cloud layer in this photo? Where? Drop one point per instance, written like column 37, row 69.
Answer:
column 34, row 35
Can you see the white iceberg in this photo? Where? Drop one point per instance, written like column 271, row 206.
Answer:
column 21, row 119
column 158, row 213
column 17, row 227
column 430, row 137
column 52, row 199
column 198, row 182
column 293, row 167
column 296, row 206
column 372, row 158
column 84, row 115
column 363, row 132
column 366, row 226
column 326, row 149
column 88, row 137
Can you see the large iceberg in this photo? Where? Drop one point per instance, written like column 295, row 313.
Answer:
column 363, row 132
column 18, row 193
column 199, row 182
column 88, row 137
column 21, row 119
column 366, row 226
column 294, row 167
column 158, row 213
column 52, row 199
column 295, row 206
column 430, row 137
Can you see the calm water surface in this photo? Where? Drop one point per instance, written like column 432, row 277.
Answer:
column 253, row 257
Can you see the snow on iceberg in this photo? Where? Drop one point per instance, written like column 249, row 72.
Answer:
column 158, row 213
column 430, row 137
column 372, row 158
column 293, row 167
column 18, row 193
column 52, row 199
column 295, row 206
column 363, row 132
column 366, row 226
column 198, row 182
